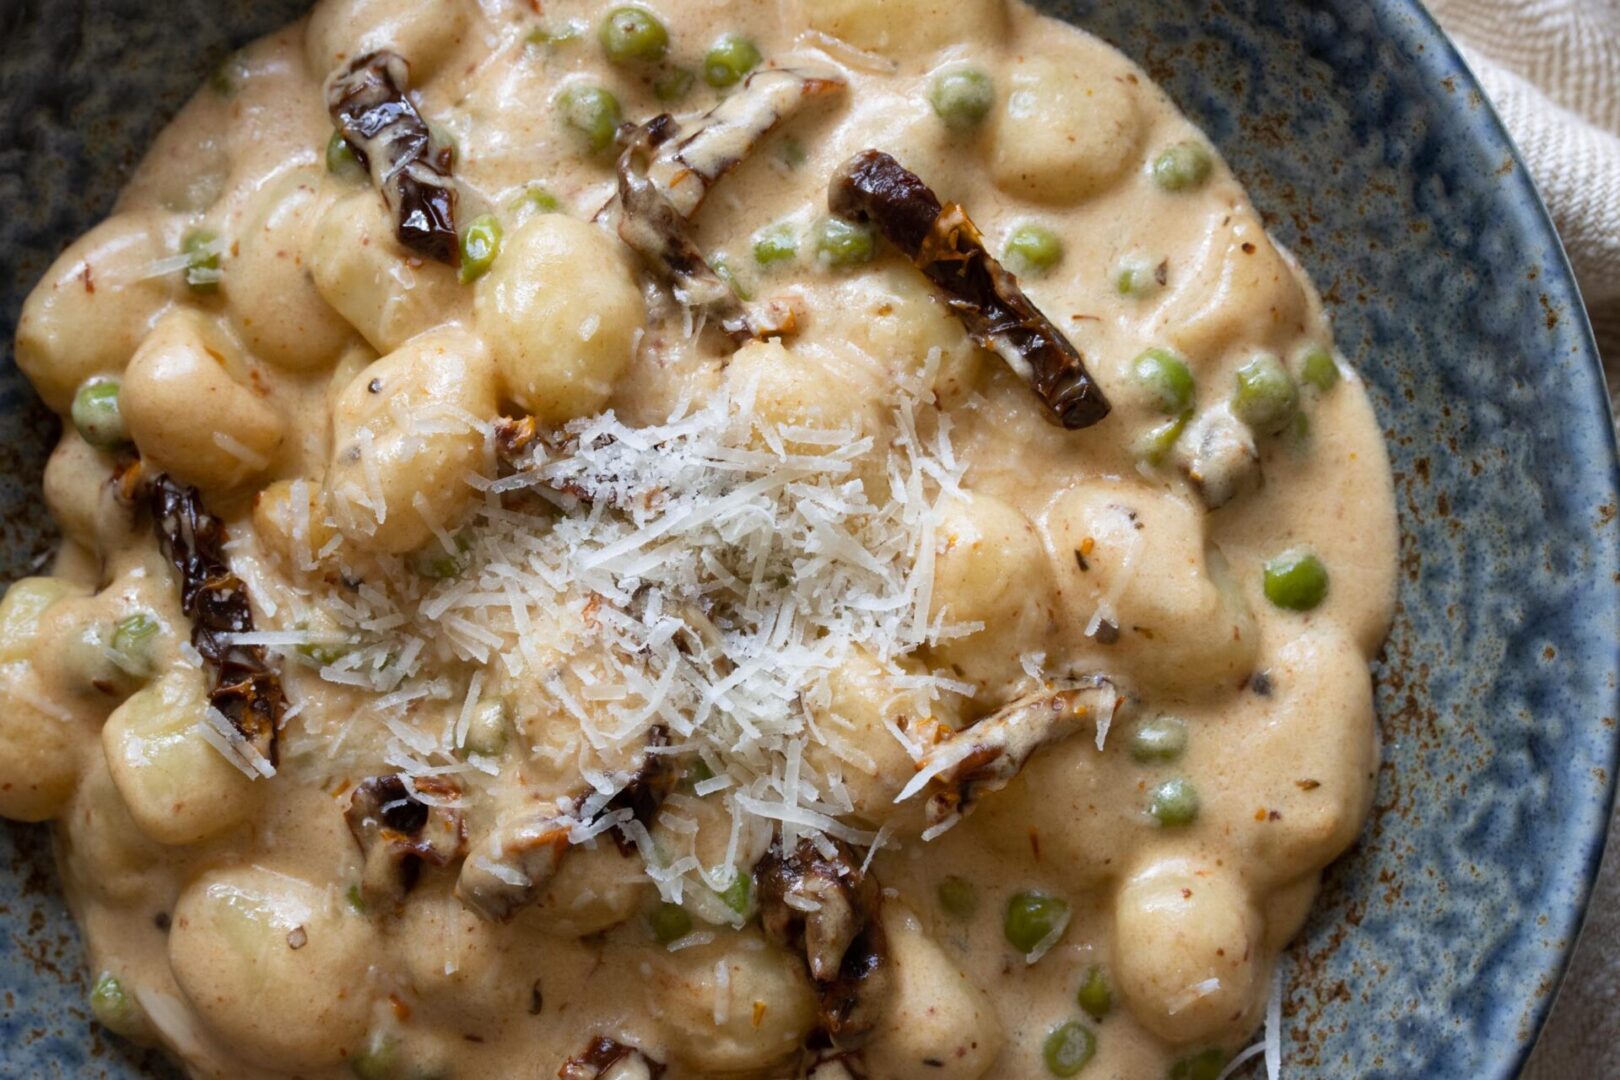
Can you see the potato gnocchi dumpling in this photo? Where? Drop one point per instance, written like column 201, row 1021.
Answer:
column 175, row 785
column 561, row 313
column 96, row 304
column 904, row 28
column 276, row 967
column 363, row 273
column 190, row 402
column 575, row 565
column 737, row 1005
column 405, row 438
column 1065, row 133
column 1187, row 950
column 1138, row 577
column 269, row 289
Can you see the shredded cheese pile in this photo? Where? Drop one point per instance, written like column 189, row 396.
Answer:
column 707, row 575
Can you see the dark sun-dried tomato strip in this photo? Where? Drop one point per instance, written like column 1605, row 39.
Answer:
column 944, row 244
column 375, row 116
column 398, row 833
column 654, row 229
column 826, row 906
column 603, row 1054
column 644, row 795
column 247, row 689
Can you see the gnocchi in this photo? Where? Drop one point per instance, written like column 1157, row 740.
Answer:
column 269, row 291
column 176, row 786
column 575, row 565
column 405, row 437
column 1066, row 133
column 191, row 407
column 560, row 311
column 96, row 304
column 275, row 966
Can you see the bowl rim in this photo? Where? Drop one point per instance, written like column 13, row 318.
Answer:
column 1561, row 280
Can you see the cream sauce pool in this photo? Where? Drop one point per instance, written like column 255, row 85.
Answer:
column 877, row 549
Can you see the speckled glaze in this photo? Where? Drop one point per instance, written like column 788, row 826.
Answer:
column 1440, row 940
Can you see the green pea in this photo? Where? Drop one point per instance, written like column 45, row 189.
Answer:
column 1031, row 918
column 673, row 84
column 962, row 97
column 378, row 1061
column 96, row 414
column 324, row 653
column 1186, row 166
column 113, row 1007
column 776, row 244
column 1160, row 738
column 1139, row 280
column 1266, row 397
column 1207, row 1065
column 958, row 897
column 730, row 58
column 1095, row 997
column 669, row 922
column 722, row 269
column 480, row 246
column 1174, row 803
column 341, row 159
column 432, row 561
column 1166, row 380
column 1033, row 249
column 535, row 199
column 739, row 894
column 132, row 644
column 594, row 114
column 1318, row 369
column 1154, row 445
column 487, row 729
column 1069, row 1049
column 843, row 244
column 631, row 35
column 1296, row 580
column 792, row 152
column 201, row 249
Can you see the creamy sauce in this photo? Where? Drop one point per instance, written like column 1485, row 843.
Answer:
column 332, row 393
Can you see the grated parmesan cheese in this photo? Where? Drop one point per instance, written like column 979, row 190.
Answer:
column 709, row 574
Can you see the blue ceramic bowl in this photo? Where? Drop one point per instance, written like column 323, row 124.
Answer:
column 1440, row 940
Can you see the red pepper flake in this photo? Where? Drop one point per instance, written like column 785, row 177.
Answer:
column 402, row 1010
column 1035, row 844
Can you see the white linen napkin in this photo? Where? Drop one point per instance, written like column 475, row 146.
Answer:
column 1552, row 68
